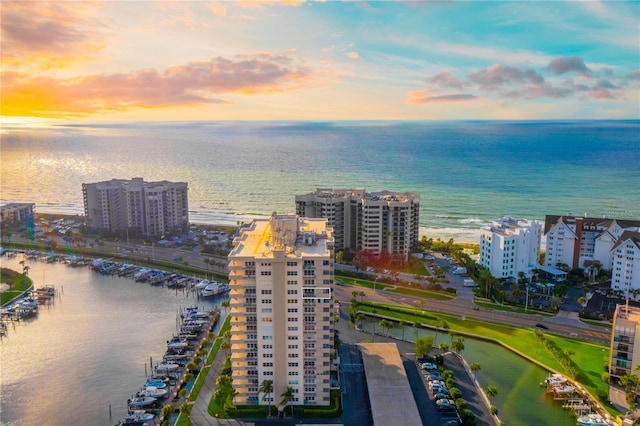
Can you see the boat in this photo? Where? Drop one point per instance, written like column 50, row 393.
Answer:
column 202, row 284
column 564, row 389
column 592, row 419
column 555, row 379
column 153, row 392
column 166, row 367
column 141, row 401
column 155, row 383
column 214, row 289
column 136, row 416
column 177, row 343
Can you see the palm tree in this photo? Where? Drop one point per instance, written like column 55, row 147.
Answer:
column 569, row 353
column 629, row 382
column 225, row 304
column 491, row 391
column 475, row 367
column 266, row 387
column 360, row 318
column 417, row 327
column 362, row 295
column 401, row 324
column 458, row 345
column 225, row 346
column 287, row 396
column 451, row 334
column 443, row 346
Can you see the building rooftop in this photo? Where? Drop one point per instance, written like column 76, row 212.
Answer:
column 390, row 396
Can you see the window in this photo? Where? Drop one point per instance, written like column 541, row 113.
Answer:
column 265, row 273
column 292, row 291
column 292, row 273
column 265, row 291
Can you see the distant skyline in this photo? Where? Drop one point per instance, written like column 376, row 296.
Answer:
column 297, row 60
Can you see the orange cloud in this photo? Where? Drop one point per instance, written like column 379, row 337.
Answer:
column 50, row 34
column 423, row 97
column 352, row 55
column 195, row 83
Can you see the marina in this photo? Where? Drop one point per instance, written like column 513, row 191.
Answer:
column 98, row 342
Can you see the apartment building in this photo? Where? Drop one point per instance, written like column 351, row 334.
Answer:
column 153, row 208
column 12, row 214
column 509, row 246
column 379, row 222
column 624, row 355
column 281, row 308
column 575, row 240
column 625, row 260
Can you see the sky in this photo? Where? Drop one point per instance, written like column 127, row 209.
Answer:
column 140, row 60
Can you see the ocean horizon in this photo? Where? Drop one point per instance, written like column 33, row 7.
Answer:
column 467, row 172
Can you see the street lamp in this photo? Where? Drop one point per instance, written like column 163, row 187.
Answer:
column 526, row 297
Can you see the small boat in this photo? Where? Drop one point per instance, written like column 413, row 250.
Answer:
column 138, row 416
column 214, row 289
column 141, row 401
column 165, row 367
column 593, row 419
column 153, row 392
column 563, row 389
column 177, row 343
column 555, row 379
column 155, row 383
column 202, row 284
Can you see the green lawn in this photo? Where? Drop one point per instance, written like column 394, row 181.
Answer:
column 19, row 284
column 423, row 293
column 509, row 308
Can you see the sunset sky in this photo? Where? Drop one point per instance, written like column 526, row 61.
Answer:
column 296, row 60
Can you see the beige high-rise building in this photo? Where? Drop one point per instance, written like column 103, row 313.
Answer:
column 153, row 208
column 281, row 279
column 379, row 222
column 625, row 348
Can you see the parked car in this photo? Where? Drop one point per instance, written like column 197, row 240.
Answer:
column 429, row 366
column 542, row 326
column 441, row 395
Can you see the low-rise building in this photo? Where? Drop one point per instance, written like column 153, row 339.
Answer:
column 13, row 214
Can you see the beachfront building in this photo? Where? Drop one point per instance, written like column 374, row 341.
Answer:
column 594, row 244
column 509, row 246
column 624, row 355
column 379, row 222
column 281, row 278
column 14, row 214
column 151, row 208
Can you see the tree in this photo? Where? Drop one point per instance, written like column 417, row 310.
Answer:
column 442, row 324
column 266, row 387
column 451, row 334
column 287, row 396
column 417, row 326
column 360, row 318
column 629, row 382
column 362, row 295
column 491, row 391
column 458, row 345
column 475, row 367
column 225, row 346
column 443, row 346
column 569, row 353
column 225, row 304
column 423, row 345
column 402, row 324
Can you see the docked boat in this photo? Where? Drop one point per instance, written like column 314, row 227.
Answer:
column 155, row 383
column 555, row 379
column 564, row 389
column 214, row 289
column 202, row 284
column 141, row 401
column 138, row 416
column 166, row 367
column 177, row 343
column 153, row 392
column 593, row 419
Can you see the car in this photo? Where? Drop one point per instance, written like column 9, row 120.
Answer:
column 425, row 358
column 446, row 408
column 429, row 366
column 441, row 395
column 542, row 326
column 431, row 375
column 451, row 423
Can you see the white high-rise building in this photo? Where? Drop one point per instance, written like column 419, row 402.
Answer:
column 379, row 222
column 153, row 208
column 625, row 259
column 281, row 279
column 510, row 246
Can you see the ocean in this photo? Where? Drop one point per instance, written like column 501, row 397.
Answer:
column 467, row 172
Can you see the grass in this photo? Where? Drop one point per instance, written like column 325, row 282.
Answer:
column 422, row 293
column 364, row 283
column 19, row 284
column 602, row 324
column 510, row 308
column 589, row 358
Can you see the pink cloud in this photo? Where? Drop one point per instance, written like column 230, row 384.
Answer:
column 501, row 75
column 565, row 64
column 183, row 85
column 445, row 79
column 601, row 94
column 53, row 34
column 423, row 97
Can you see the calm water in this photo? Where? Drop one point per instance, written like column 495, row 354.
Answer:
column 85, row 351
column 521, row 400
column 467, row 172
